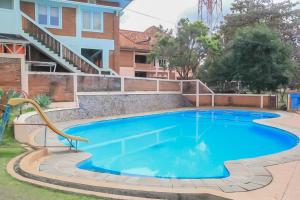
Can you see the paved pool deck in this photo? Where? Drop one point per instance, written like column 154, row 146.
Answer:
column 275, row 176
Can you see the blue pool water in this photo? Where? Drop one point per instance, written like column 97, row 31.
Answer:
column 185, row 144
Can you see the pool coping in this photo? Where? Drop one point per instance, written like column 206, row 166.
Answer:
column 245, row 174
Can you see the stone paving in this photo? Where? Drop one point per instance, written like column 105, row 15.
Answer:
column 245, row 175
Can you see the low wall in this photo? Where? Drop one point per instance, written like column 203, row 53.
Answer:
column 58, row 87
column 63, row 87
column 98, row 84
column 238, row 100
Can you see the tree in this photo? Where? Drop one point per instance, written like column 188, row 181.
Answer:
column 280, row 16
column 257, row 57
column 186, row 50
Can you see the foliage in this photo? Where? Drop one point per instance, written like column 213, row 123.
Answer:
column 279, row 16
column 12, row 94
column 257, row 57
column 6, row 95
column 43, row 100
column 13, row 189
column 1, row 94
column 187, row 49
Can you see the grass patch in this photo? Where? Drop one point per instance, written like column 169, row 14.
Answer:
column 12, row 189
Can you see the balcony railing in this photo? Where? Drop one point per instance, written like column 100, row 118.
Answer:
column 144, row 66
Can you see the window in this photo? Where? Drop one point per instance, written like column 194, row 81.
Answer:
column 86, row 20
column 49, row 15
column 96, row 21
column 42, row 15
column 7, row 4
column 162, row 62
column 140, row 74
column 54, row 16
column 92, row 21
column 141, row 59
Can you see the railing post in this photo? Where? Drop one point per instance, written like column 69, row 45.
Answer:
column 289, row 102
column 181, row 86
column 61, row 50
column 75, row 87
column 157, row 85
column 122, row 84
column 197, row 94
column 80, row 61
column 45, row 136
column 213, row 100
column 261, row 101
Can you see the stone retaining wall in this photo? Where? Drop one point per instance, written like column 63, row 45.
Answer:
column 109, row 105
column 91, row 106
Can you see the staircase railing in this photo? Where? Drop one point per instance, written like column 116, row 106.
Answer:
column 41, row 34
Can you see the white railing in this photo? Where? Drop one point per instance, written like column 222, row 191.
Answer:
column 94, row 84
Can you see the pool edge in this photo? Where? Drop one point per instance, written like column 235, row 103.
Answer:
column 247, row 175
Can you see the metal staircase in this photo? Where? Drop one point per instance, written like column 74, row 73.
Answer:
column 57, row 50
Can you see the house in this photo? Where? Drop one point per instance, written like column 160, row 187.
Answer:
column 80, row 36
column 135, row 46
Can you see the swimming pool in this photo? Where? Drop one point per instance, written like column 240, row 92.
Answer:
column 185, row 144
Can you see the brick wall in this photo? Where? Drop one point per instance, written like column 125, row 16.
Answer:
column 169, row 86
column 98, row 84
column 108, row 32
column 68, row 23
column 140, row 85
column 10, row 73
column 59, row 87
column 205, row 100
column 28, row 8
column 234, row 100
column 126, row 58
column 229, row 100
column 116, row 52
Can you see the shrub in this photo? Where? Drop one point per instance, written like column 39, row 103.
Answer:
column 6, row 95
column 12, row 94
column 43, row 100
column 1, row 94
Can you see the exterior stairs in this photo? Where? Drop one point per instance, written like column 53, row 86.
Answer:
column 57, row 50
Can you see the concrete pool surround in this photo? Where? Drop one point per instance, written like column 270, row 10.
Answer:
column 58, row 167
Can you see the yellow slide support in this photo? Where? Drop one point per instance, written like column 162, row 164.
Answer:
column 18, row 101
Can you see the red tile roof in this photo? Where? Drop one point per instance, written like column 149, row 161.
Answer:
column 136, row 40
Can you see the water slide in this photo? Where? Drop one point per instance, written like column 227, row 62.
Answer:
column 18, row 101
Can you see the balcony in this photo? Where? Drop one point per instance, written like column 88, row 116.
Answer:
column 144, row 67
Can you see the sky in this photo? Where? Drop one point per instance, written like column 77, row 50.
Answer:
column 161, row 12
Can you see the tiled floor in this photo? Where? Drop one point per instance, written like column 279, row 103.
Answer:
column 285, row 185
